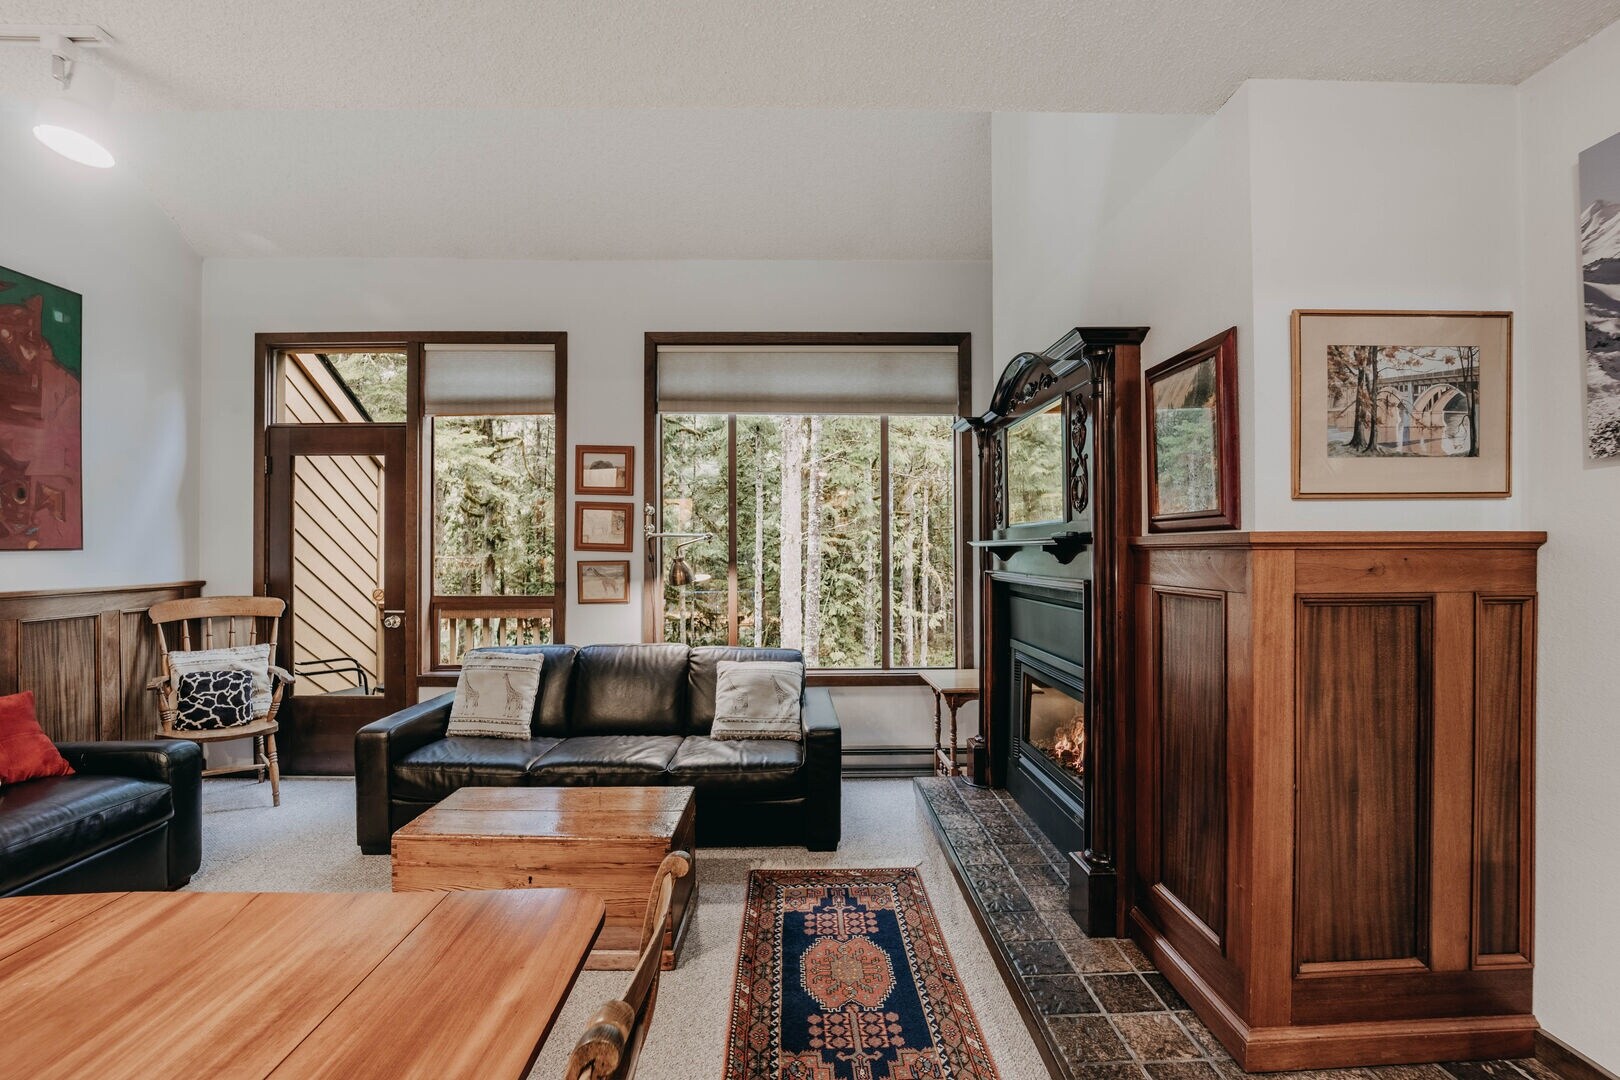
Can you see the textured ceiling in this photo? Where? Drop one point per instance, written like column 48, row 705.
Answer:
column 573, row 183
column 1084, row 55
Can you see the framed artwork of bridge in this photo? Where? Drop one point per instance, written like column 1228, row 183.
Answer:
column 1403, row 404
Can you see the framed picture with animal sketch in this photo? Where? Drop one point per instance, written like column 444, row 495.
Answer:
column 604, row 582
column 1402, row 404
column 602, row 526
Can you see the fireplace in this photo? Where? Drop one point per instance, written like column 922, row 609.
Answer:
column 1054, row 719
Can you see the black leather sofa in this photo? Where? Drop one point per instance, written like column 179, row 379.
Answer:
column 129, row 818
column 617, row 715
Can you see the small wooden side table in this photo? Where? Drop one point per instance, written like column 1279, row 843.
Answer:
column 952, row 689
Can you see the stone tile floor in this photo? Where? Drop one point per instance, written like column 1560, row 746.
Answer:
column 1105, row 1012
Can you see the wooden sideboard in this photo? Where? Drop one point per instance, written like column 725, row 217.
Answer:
column 87, row 654
column 1333, row 768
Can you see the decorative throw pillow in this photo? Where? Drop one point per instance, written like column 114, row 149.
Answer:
column 495, row 695
column 26, row 752
column 250, row 658
column 210, row 700
column 757, row 699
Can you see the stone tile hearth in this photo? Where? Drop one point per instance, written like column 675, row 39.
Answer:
column 1102, row 1010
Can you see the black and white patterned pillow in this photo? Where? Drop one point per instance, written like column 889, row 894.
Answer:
column 210, row 700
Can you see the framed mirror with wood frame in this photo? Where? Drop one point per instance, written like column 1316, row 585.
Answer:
column 1192, row 438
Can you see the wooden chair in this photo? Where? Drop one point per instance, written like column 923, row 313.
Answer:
column 612, row 1041
column 223, row 622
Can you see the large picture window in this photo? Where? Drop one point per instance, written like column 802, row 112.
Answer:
column 831, row 481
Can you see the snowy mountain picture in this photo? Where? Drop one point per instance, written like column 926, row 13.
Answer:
column 1600, row 285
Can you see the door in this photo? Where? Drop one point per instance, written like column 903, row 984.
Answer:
column 335, row 553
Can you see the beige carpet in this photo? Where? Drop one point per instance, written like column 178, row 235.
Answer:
column 307, row 844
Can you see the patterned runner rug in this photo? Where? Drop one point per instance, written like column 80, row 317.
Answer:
column 844, row 975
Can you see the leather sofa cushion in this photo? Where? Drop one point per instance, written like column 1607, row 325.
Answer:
column 701, row 675
column 556, row 679
column 630, row 690
column 739, row 766
column 59, row 820
column 431, row 772
column 607, row 760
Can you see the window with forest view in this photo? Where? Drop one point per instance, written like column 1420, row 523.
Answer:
column 805, row 510
column 494, row 481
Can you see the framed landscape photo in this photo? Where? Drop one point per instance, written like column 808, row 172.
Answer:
column 1600, row 292
column 1192, row 438
column 604, row 470
column 602, row 526
column 1402, row 404
column 605, row 582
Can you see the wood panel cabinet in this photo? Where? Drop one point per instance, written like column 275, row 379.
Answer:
column 87, row 654
column 1333, row 790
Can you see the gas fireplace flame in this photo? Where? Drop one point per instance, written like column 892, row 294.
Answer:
column 1069, row 745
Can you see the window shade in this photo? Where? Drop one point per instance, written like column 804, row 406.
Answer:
column 807, row 380
column 489, row 380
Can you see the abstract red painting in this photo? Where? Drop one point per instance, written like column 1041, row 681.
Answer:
column 41, row 423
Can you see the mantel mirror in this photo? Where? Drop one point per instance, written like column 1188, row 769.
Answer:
column 1035, row 467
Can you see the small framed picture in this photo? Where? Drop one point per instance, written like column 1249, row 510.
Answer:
column 602, row 526
column 1402, row 404
column 1192, row 438
column 605, row 582
column 604, row 470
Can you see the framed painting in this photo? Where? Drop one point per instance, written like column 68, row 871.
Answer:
column 41, row 415
column 602, row 526
column 1192, row 438
column 1403, row 404
column 604, row 470
column 605, row 582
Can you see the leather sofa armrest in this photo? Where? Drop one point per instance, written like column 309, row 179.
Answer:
column 824, row 770
column 376, row 747
column 174, row 762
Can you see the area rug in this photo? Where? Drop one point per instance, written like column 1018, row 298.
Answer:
column 844, row 975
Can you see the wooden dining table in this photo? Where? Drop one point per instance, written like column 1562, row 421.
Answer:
column 253, row 985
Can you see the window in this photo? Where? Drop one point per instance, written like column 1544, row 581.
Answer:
column 494, row 454
column 830, row 479
column 340, row 387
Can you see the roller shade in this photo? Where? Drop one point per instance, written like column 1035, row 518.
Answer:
column 807, row 380
column 489, row 380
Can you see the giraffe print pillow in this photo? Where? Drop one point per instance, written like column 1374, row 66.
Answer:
column 210, row 700
column 758, row 699
column 495, row 695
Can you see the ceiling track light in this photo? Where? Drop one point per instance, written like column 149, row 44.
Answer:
column 73, row 120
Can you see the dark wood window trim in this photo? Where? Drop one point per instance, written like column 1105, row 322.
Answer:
column 966, row 584
column 421, row 650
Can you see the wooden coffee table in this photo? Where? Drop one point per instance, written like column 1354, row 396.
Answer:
column 607, row 840
column 175, row 986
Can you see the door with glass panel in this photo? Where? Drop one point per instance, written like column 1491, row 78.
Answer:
column 336, row 556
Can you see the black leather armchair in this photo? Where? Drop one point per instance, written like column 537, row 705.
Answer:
column 617, row 715
column 129, row 818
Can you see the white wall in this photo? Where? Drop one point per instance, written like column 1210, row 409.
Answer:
column 1375, row 195
column 605, row 307
column 96, row 232
column 1567, row 107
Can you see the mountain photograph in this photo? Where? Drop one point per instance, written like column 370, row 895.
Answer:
column 1600, row 285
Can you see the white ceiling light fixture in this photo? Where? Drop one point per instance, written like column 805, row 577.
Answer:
column 73, row 120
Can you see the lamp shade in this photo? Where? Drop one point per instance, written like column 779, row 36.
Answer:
column 73, row 121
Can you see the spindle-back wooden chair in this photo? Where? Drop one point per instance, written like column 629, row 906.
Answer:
column 611, row 1045
column 217, row 622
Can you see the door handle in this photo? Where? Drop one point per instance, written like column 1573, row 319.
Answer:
column 393, row 620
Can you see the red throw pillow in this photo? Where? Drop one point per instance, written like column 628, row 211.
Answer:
column 26, row 752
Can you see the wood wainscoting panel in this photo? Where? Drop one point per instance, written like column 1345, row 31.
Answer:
column 1362, row 742
column 1373, row 733
column 1192, row 752
column 1504, row 704
column 87, row 654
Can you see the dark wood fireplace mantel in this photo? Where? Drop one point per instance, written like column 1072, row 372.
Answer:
column 1056, row 596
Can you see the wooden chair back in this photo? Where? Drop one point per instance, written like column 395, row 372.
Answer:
column 612, row 1042
column 216, row 622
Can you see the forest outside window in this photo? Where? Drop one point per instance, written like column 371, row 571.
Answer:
column 493, row 560
column 830, row 478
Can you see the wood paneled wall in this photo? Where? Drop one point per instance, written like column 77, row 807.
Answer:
column 87, row 654
column 1334, row 775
